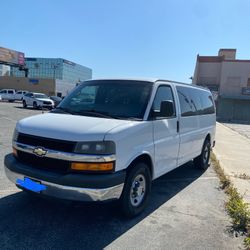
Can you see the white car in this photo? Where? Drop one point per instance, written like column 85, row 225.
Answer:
column 7, row 95
column 37, row 100
column 109, row 139
column 19, row 95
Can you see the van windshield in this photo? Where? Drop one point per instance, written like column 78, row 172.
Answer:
column 120, row 99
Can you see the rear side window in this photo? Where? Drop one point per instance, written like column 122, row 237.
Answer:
column 207, row 103
column 10, row 92
column 187, row 106
column 195, row 101
column 3, row 92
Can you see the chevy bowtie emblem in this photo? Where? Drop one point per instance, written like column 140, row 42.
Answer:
column 40, row 151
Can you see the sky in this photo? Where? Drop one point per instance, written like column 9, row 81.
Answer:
column 130, row 38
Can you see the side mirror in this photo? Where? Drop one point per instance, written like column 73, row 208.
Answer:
column 167, row 109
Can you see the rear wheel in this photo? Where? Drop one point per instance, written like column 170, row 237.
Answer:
column 136, row 190
column 202, row 161
column 24, row 104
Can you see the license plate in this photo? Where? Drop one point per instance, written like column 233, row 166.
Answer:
column 31, row 185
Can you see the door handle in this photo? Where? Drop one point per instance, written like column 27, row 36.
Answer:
column 178, row 126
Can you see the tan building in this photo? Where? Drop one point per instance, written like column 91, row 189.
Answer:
column 229, row 79
column 41, row 85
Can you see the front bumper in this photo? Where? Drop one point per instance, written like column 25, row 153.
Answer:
column 48, row 106
column 80, row 187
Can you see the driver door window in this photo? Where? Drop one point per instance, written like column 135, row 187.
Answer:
column 164, row 93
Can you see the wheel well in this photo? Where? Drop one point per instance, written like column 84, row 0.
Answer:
column 208, row 137
column 145, row 158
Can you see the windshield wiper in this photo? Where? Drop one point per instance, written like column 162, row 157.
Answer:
column 96, row 113
column 65, row 110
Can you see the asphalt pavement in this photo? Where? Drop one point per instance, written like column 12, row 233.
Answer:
column 186, row 211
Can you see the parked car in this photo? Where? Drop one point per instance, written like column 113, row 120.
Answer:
column 19, row 95
column 8, row 95
column 37, row 100
column 56, row 100
column 114, row 144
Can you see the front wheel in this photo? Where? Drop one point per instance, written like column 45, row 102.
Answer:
column 24, row 104
column 35, row 105
column 136, row 190
column 202, row 161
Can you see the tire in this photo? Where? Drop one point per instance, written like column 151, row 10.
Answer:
column 24, row 104
column 202, row 161
column 134, row 198
column 35, row 105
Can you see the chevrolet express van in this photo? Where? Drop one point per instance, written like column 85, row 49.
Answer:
column 110, row 138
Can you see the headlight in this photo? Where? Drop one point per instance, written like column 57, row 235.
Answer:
column 95, row 148
column 15, row 135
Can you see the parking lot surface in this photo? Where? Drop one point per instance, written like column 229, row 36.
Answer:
column 186, row 211
column 243, row 129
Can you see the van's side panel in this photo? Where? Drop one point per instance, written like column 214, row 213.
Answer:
column 193, row 130
column 188, row 133
column 189, row 126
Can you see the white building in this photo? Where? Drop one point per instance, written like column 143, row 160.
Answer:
column 229, row 79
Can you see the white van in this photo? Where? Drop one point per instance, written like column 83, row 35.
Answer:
column 109, row 139
column 7, row 95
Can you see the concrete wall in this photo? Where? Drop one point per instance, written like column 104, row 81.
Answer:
column 233, row 110
column 234, row 76
column 46, row 86
column 209, row 73
column 64, row 87
column 229, row 54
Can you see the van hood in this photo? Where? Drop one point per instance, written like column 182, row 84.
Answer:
column 69, row 127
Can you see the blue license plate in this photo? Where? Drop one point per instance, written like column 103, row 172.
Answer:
column 31, row 185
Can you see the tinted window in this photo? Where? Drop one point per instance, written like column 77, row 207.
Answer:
column 207, row 103
column 3, row 91
column 164, row 93
column 195, row 99
column 10, row 92
column 114, row 98
column 187, row 106
column 19, row 92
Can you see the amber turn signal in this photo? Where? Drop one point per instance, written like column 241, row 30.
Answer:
column 107, row 166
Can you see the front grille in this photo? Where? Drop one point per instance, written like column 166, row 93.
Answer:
column 53, row 165
column 48, row 143
column 47, row 103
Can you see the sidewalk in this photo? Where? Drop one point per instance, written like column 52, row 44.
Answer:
column 233, row 152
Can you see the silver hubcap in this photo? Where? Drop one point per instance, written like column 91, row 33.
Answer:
column 137, row 190
column 206, row 154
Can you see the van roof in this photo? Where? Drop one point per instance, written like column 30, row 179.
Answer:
column 152, row 80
